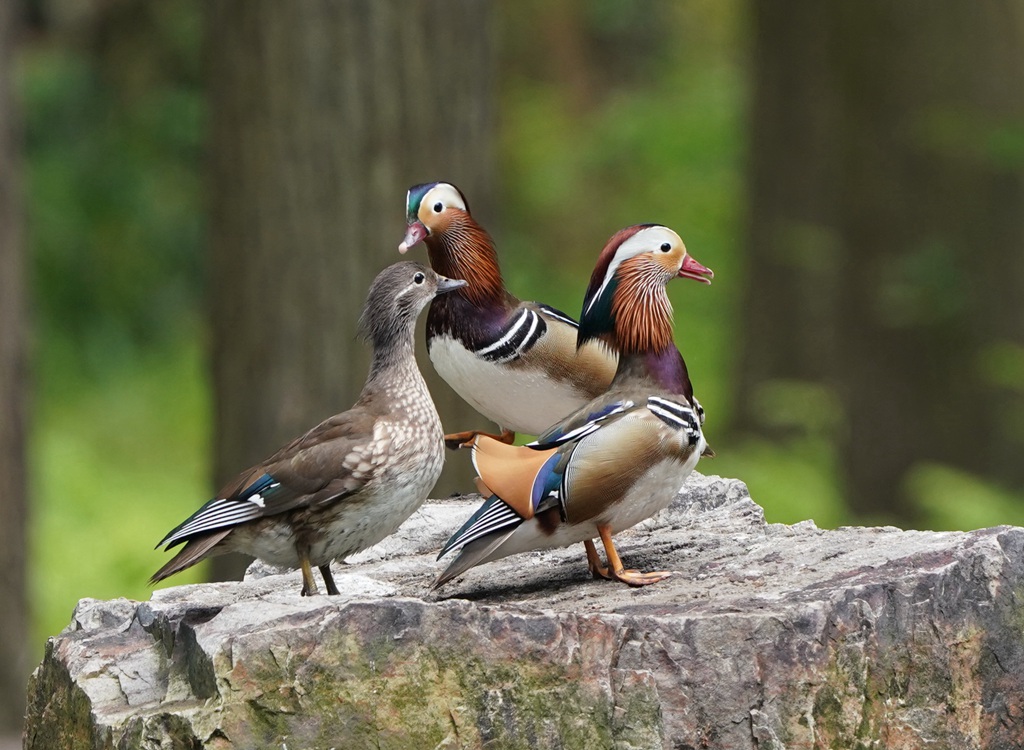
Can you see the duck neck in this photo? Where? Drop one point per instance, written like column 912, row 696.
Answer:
column 664, row 368
column 465, row 251
column 394, row 361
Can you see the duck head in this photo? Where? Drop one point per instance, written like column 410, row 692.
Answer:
column 397, row 296
column 626, row 305
column 437, row 214
column 431, row 209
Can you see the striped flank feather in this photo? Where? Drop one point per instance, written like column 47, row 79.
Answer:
column 556, row 314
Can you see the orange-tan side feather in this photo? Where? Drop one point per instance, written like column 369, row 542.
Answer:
column 508, row 471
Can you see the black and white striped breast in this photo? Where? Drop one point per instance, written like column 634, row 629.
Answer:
column 523, row 331
column 677, row 416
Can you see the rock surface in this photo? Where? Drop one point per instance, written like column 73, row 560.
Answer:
column 767, row 636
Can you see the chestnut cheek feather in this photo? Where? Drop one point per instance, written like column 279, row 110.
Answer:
column 643, row 314
column 442, row 222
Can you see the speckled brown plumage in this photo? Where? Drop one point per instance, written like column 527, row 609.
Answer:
column 351, row 480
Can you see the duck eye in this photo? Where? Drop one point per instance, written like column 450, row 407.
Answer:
column 438, row 207
column 665, row 247
column 419, row 278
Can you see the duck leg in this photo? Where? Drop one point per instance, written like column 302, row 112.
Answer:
column 308, row 584
column 325, row 571
column 629, row 577
column 594, row 562
column 456, row 440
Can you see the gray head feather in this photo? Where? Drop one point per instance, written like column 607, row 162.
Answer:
column 396, row 298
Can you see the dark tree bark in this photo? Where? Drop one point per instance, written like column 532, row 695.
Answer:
column 886, row 234
column 13, row 395
column 323, row 113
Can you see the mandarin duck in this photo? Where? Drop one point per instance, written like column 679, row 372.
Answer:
column 622, row 457
column 515, row 362
column 351, row 480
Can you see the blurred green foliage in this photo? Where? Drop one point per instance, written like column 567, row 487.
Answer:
column 118, row 450
column 611, row 114
column 115, row 205
column 115, row 462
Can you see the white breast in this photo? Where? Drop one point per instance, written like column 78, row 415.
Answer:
column 518, row 399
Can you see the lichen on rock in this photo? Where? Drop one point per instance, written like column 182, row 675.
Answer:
column 766, row 636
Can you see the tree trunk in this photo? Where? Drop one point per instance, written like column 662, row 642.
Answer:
column 13, row 395
column 885, row 234
column 323, row 114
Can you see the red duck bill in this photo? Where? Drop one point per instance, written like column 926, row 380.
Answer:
column 693, row 270
column 415, row 233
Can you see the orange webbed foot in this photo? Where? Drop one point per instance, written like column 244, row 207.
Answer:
column 637, row 579
column 615, row 569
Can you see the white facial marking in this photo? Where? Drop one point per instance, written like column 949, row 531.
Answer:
column 443, row 196
column 648, row 240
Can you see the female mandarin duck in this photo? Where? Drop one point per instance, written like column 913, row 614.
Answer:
column 622, row 457
column 515, row 362
column 351, row 480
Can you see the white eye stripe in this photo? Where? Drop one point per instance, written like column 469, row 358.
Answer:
column 445, row 196
column 412, row 286
column 643, row 241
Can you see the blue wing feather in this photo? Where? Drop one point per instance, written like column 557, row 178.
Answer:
column 574, row 429
column 548, row 482
column 262, row 486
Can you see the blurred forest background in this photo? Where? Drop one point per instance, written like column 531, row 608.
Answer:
column 194, row 196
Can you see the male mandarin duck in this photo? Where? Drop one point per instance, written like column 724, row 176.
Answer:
column 515, row 362
column 351, row 480
column 623, row 456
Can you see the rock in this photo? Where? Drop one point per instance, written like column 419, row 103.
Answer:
column 767, row 636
